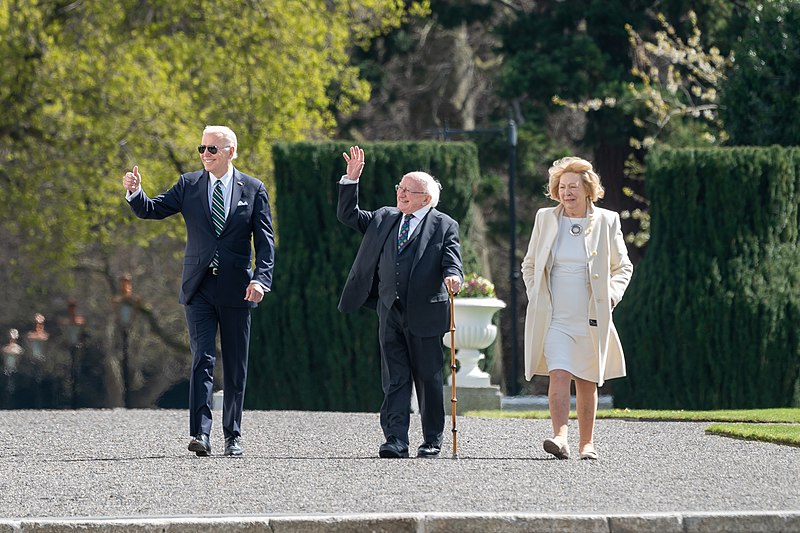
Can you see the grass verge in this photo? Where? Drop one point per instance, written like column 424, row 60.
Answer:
column 777, row 434
column 778, row 426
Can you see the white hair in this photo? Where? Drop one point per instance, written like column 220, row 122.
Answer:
column 432, row 185
column 227, row 134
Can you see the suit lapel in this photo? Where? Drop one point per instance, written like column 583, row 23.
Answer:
column 202, row 184
column 425, row 231
column 392, row 221
column 592, row 236
column 237, row 185
column 550, row 230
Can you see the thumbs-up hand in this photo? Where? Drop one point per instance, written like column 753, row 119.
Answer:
column 132, row 180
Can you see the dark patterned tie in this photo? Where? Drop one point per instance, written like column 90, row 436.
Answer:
column 217, row 215
column 402, row 239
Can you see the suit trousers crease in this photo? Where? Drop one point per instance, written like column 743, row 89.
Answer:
column 204, row 318
column 406, row 358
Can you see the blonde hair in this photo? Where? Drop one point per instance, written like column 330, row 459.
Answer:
column 575, row 165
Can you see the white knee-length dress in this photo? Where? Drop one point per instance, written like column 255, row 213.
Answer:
column 568, row 344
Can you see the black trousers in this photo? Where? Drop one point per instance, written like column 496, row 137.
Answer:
column 204, row 318
column 406, row 358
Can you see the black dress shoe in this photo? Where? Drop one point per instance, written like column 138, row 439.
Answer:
column 233, row 446
column 393, row 449
column 200, row 445
column 427, row 449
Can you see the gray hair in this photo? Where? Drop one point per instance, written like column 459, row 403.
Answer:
column 432, row 185
column 227, row 134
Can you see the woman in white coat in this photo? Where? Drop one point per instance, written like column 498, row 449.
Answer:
column 575, row 271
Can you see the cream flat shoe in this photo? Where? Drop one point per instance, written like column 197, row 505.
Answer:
column 589, row 452
column 553, row 447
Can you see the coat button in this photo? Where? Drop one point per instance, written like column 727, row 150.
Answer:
column 594, row 253
column 596, row 276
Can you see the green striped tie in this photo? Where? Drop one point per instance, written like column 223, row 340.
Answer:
column 217, row 215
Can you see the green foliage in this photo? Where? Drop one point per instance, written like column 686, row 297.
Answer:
column 710, row 318
column 91, row 88
column 760, row 102
column 306, row 354
column 553, row 49
column 674, row 102
column 580, row 50
column 583, row 51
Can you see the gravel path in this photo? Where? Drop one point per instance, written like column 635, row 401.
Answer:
column 134, row 463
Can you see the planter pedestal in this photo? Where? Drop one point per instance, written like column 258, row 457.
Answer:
column 472, row 399
column 474, row 331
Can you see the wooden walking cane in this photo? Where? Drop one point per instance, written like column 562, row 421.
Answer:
column 453, row 398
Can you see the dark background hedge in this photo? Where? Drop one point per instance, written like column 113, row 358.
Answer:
column 712, row 316
column 304, row 353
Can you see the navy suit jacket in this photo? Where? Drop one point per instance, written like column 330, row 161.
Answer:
column 249, row 216
column 438, row 256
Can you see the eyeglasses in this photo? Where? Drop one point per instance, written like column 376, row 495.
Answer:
column 211, row 148
column 406, row 190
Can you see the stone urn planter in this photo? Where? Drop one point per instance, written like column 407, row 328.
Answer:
column 474, row 332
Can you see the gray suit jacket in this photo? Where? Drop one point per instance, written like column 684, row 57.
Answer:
column 438, row 256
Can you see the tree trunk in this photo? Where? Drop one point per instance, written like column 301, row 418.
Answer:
column 609, row 163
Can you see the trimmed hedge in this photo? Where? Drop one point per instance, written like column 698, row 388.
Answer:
column 711, row 319
column 304, row 353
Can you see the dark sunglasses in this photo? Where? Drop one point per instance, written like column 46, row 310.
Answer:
column 211, row 148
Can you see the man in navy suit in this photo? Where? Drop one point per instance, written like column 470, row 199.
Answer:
column 226, row 213
column 408, row 260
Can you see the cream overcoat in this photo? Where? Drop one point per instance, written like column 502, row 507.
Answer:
column 610, row 272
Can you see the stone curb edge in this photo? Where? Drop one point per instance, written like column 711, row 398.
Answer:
column 707, row 522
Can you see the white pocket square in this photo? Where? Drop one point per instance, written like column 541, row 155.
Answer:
column 241, row 202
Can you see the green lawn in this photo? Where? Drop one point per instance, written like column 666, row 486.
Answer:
column 779, row 426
